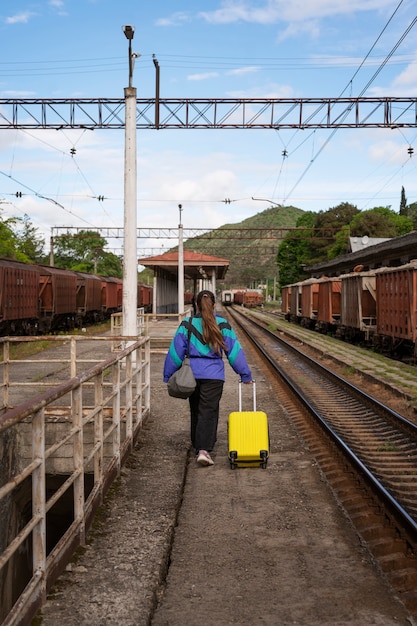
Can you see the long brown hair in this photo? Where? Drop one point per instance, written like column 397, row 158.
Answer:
column 211, row 332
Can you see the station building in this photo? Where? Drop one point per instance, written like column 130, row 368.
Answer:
column 203, row 270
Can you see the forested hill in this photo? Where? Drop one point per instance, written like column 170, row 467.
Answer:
column 252, row 260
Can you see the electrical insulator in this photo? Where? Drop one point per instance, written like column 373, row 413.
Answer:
column 410, row 150
column 73, row 151
column 100, row 198
column 18, row 194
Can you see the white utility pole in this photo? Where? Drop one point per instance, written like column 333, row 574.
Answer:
column 180, row 266
column 130, row 269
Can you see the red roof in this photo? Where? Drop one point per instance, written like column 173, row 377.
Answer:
column 193, row 263
column 189, row 257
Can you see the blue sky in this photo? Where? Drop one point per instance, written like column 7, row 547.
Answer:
column 210, row 49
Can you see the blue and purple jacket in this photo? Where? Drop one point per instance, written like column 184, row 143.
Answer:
column 204, row 362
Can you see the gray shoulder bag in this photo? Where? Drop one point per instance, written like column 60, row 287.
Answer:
column 182, row 382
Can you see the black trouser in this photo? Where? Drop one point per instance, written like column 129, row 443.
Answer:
column 204, row 407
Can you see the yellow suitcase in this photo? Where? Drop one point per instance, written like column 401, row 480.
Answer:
column 248, row 435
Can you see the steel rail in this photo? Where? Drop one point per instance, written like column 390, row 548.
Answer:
column 404, row 519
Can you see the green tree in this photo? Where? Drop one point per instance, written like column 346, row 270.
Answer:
column 412, row 214
column 333, row 220
column 110, row 264
column 8, row 238
column 380, row 222
column 341, row 244
column 326, row 236
column 403, row 202
column 85, row 252
column 30, row 244
column 293, row 253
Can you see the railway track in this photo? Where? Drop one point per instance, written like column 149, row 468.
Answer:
column 367, row 452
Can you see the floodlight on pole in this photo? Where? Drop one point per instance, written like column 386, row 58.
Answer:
column 129, row 32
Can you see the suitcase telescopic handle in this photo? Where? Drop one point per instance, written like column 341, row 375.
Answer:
column 240, row 395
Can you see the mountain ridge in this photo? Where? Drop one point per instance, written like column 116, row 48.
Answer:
column 252, row 260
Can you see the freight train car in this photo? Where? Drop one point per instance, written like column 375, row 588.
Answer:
column 328, row 305
column 57, row 299
column 309, row 303
column 248, row 298
column 358, row 306
column 285, row 300
column 111, row 295
column 19, row 288
column 295, row 302
column 377, row 307
column 145, row 297
column 35, row 299
column 88, row 298
column 396, row 308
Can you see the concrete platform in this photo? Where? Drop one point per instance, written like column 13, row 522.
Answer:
column 178, row 544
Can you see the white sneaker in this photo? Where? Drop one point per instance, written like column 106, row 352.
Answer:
column 203, row 458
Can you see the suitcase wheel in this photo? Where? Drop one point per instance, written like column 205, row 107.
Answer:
column 264, row 457
column 232, row 458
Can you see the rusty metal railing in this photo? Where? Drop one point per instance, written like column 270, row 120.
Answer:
column 160, row 327
column 80, row 432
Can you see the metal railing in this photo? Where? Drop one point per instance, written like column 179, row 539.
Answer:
column 160, row 327
column 79, row 432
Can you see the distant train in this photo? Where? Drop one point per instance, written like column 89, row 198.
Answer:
column 244, row 297
column 36, row 299
column 374, row 306
column 227, row 297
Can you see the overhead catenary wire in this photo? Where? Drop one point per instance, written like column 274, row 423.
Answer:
column 348, row 109
column 349, row 84
column 71, row 154
column 38, row 195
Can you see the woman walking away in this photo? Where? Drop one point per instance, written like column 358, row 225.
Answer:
column 211, row 336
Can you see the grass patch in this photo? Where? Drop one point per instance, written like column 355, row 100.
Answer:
column 23, row 349
column 387, row 446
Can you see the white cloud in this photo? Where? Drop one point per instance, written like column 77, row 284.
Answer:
column 408, row 77
column 18, row 94
column 275, row 11
column 174, row 20
column 402, row 85
column 203, row 76
column 240, row 71
column 20, row 18
column 266, row 91
column 59, row 6
column 297, row 28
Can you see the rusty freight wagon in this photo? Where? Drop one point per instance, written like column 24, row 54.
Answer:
column 285, row 300
column 358, row 306
column 329, row 301
column 248, row 298
column 309, row 302
column 145, row 297
column 396, row 308
column 295, row 302
column 57, row 298
column 111, row 295
column 19, row 287
column 88, row 298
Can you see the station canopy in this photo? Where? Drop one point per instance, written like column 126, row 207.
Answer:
column 196, row 265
